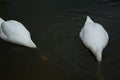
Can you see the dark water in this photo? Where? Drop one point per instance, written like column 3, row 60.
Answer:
column 54, row 27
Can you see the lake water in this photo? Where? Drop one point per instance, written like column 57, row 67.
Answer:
column 54, row 26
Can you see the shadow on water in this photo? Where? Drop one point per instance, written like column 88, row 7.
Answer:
column 54, row 27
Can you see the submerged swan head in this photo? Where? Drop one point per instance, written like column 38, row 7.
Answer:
column 15, row 32
column 94, row 37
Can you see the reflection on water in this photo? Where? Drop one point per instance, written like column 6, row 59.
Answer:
column 54, row 26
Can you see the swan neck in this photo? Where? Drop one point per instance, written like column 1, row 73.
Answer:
column 98, row 55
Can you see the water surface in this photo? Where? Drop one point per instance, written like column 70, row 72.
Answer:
column 55, row 27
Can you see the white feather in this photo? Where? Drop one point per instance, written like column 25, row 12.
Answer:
column 94, row 37
column 15, row 32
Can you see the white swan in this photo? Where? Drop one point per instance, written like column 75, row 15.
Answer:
column 94, row 37
column 15, row 32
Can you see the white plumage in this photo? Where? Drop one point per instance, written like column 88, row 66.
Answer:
column 15, row 32
column 94, row 37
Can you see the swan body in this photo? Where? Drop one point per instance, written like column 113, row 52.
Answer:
column 94, row 37
column 15, row 32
